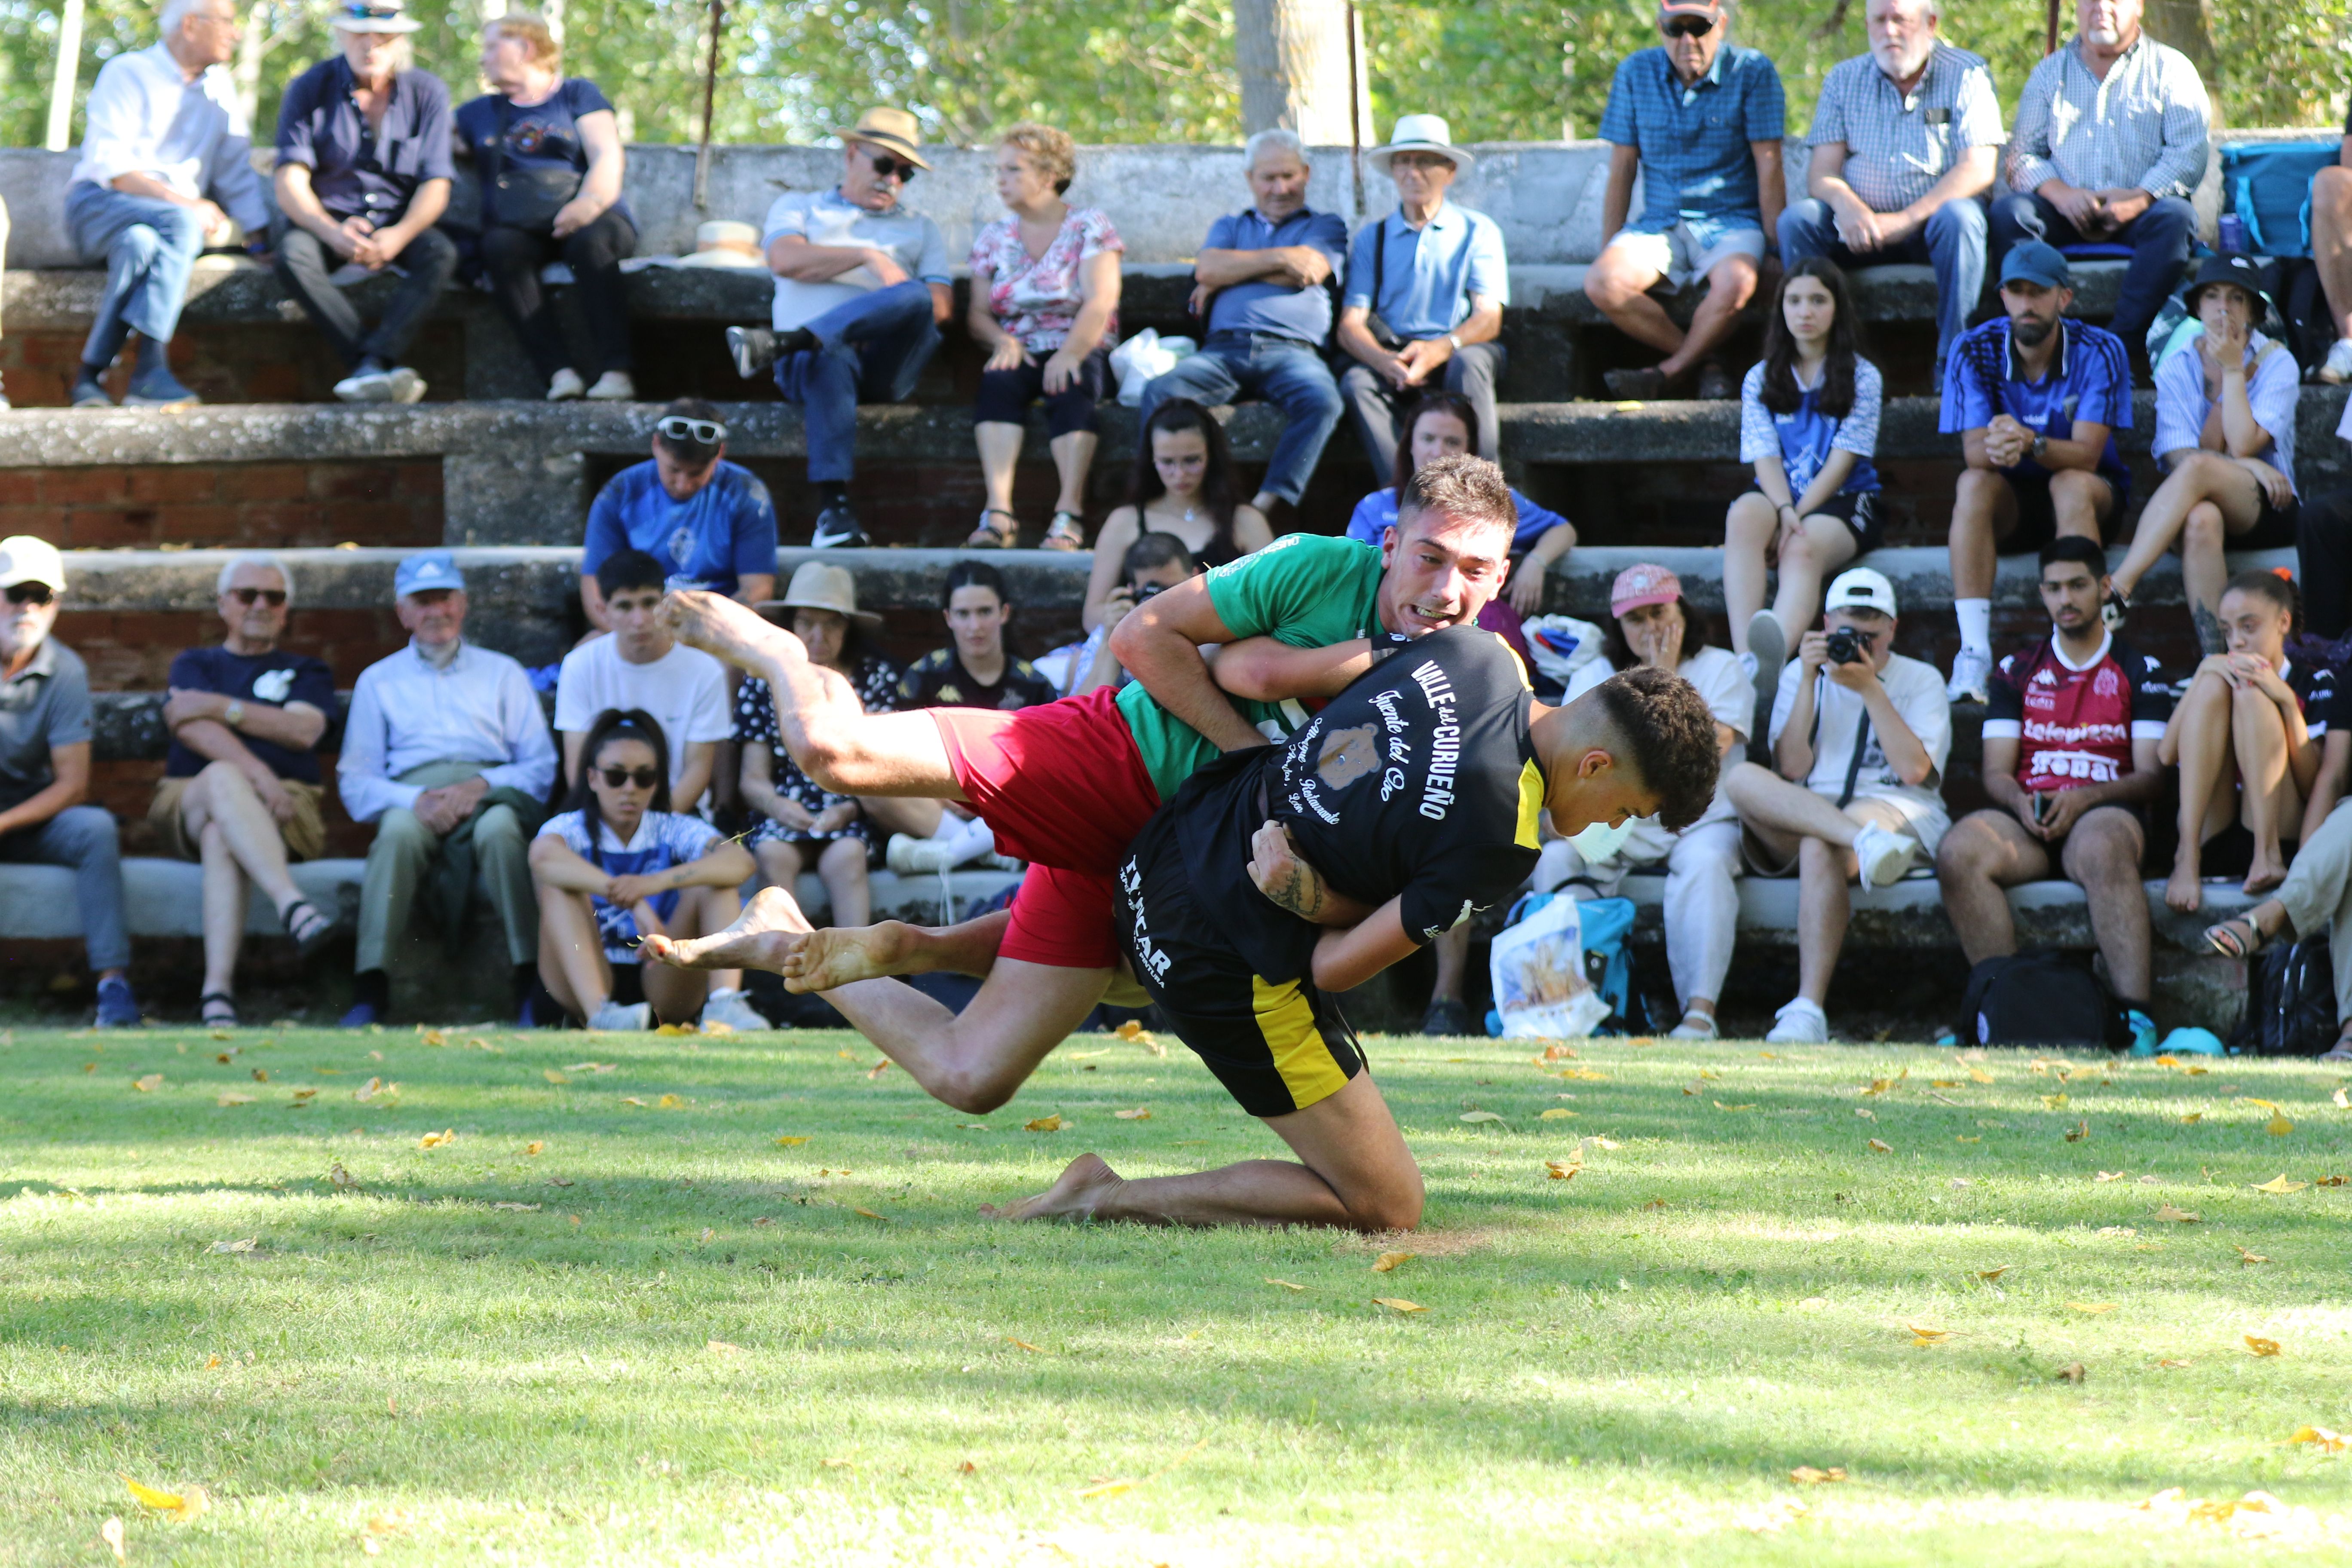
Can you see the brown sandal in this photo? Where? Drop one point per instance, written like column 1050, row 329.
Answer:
column 994, row 536
column 1067, row 531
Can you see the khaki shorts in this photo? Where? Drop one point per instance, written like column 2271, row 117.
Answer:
column 305, row 835
column 1685, row 254
column 1887, row 814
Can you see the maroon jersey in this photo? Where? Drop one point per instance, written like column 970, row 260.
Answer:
column 2076, row 726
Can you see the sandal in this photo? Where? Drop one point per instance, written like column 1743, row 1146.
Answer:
column 994, row 536
column 217, row 1009
column 2224, row 939
column 309, row 929
column 1067, row 531
column 2341, row 1051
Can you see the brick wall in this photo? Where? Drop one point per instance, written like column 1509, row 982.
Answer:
column 243, row 362
column 131, row 650
column 227, row 505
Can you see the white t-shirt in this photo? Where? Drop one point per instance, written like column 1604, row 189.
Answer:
column 685, row 690
column 1917, row 692
column 1730, row 696
column 827, row 217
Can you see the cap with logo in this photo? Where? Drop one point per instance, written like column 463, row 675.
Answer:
column 427, row 570
column 24, row 559
column 1861, row 589
column 1643, row 584
column 2032, row 261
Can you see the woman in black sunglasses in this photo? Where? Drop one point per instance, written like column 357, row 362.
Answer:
column 619, row 865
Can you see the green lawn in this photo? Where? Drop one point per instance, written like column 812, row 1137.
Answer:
column 695, row 1343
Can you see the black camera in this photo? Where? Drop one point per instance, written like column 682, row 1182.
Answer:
column 1148, row 590
column 1848, row 647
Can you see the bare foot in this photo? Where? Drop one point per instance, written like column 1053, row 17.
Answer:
column 841, row 954
column 723, row 628
column 1083, row 1186
column 2185, row 892
column 766, row 935
column 2267, row 871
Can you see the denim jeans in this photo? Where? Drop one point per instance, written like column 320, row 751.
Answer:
column 2159, row 240
column 1284, row 372
column 426, row 265
column 82, row 837
column 1952, row 241
column 150, row 247
column 872, row 348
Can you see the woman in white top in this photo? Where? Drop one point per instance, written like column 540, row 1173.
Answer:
column 620, row 865
column 1651, row 623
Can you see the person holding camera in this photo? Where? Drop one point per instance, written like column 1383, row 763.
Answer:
column 2071, row 731
column 1153, row 564
column 1860, row 735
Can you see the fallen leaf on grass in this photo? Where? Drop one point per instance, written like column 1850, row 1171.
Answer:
column 668, row 1103
column 2054, row 1101
column 720, row 1347
column 1806, row 1476
column 304, row 1095
column 1140, row 1113
column 244, row 1245
column 967, row 1468
column 2321, row 1438
column 1398, row 1304
column 2118, row 1230
column 1720, row 1106
column 233, row 1097
column 435, row 1140
column 433, row 1037
column 1584, row 1075
column 2168, row 1362
column 1388, row 1262
column 1476, row 1116
column 2245, row 1258
column 1865, row 1113
column 878, row 1069
column 2108, row 1176
column 559, row 1180
column 1024, row 1344
column 148, row 1085
column 1979, row 1075
column 839, row 1464
column 2072, row 1372
column 2080, row 1130
column 1555, row 1113
column 551, row 1075
column 2094, row 1308
column 791, row 1141
column 110, row 1532
column 2278, row 1126
column 339, row 1178
column 1044, row 1124
column 708, row 1233
column 521, row 1208
column 1604, row 1142
column 1994, row 1273
column 1561, row 1170
column 1927, row 1333
column 534, row 1147
column 2329, row 1181
column 1965, row 1138
column 2343, row 1101
column 1284, row 1283
column 594, row 1067
column 675, row 1029
column 2178, row 1216
column 2261, row 1346
column 368, row 1090
column 633, row 1099
column 185, row 1504
column 869, row 1213
column 1879, row 1147
column 1655, row 1204
column 2279, row 1183
column 2192, row 1118
column 1556, row 1052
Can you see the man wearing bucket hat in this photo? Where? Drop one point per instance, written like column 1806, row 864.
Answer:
column 2225, row 405
column 447, row 752
column 45, row 730
column 1426, row 288
column 362, row 175
column 1700, row 119
column 862, row 289
column 1860, row 735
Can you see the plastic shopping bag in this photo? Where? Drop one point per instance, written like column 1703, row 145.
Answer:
column 1144, row 358
column 1538, row 971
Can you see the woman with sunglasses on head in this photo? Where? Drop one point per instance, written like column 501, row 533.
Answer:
column 1182, row 485
column 617, row 866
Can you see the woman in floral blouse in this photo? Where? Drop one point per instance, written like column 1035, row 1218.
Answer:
column 1044, row 302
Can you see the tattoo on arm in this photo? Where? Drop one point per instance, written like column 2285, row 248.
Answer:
column 1298, row 888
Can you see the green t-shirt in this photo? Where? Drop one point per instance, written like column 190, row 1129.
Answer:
column 1303, row 589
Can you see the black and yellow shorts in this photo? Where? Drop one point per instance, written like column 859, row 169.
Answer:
column 1277, row 1047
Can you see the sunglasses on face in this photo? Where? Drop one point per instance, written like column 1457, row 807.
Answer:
column 621, row 778
column 273, row 597
column 701, row 432
column 29, row 593
column 1688, row 26
column 889, row 168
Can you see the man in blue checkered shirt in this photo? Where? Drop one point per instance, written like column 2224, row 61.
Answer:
column 1700, row 119
column 1903, row 144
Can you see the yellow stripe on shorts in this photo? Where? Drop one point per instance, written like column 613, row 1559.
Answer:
column 1286, row 1019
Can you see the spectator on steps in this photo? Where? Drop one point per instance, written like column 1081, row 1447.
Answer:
column 2316, row 898
column 2248, row 736
column 1045, row 304
column 241, row 784
column 547, row 148
column 2225, row 408
column 1263, row 285
column 2070, row 739
column 641, row 666
column 163, row 174
column 1653, row 624
column 2109, row 144
column 2331, row 250
column 617, row 866
column 862, row 289
column 803, row 826
column 447, row 752
column 1426, row 287
column 2035, row 397
column 1808, row 424
column 1154, row 564
column 1442, row 425
column 1860, row 735
column 45, row 735
column 362, row 175
column 1904, row 140
column 709, row 522
column 1701, row 120
column 1182, row 485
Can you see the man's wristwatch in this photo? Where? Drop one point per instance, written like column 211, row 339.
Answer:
column 233, row 715
column 1456, row 339
column 2041, row 445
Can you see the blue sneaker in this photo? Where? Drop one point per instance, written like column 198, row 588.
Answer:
column 361, row 1014
column 2143, row 1032
column 117, row 1008
column 158, row 389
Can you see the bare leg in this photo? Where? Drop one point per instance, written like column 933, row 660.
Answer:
column 1748, row 531
column 2102, row 855
column 2331, row 242
column 1984, row 512
column 1729, row 288
column 842, row 869
column 2269, row 800
column 1000, row 453
column 2202, row 731
column 903, row 813
column 1355, row 1174
column 1824, row 910
column 1453, row 952
column 1823, row 545
column 1773, row 806
column 771, row 933
column 222, row 795
column 1985, row 852
column 1620, row 286
column 1073, row 455
column 224, row 911
column 571, row 952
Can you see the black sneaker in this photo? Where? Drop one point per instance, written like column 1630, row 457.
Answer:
column 753, row 349
column 836, row 529
column 1447, row 1016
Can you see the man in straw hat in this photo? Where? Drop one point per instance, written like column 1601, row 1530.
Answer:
column 363, row 174
column 862, row 288
column 1426, row 288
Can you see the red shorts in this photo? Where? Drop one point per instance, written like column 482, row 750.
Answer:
column 1063, row 788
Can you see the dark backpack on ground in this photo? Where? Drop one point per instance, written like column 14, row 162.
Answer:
column 2290, row 1002
column 2037, row 998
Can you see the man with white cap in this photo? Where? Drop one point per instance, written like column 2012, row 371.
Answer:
column 1426, row 288
column 1700, row 119
column 363, row 174
column 45, row 732
column 1860, row 735
column 862, row 289
column 448, row 752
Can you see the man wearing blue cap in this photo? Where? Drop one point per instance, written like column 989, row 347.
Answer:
column 448, row 752
column 2035, row 396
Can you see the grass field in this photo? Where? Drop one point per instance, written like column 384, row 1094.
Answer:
column 729, row 1302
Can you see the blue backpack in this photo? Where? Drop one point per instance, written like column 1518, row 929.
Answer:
column 2267, row 184
column 1604, row 925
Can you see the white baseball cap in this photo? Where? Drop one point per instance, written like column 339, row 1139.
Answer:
column 24, row 559
column 1861, row 589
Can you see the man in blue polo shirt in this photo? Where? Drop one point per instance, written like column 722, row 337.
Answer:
column 1266, row 278
column 709, row 523
column 1426, row 288
column 2035, row 397
column 1700, row 119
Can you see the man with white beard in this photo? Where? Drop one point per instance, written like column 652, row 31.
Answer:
column 1903, row 145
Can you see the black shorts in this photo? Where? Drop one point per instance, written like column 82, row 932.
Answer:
column 1276, row 1046
column 2274, row 528
column 1858, row 510
column 1005, row 394
column 2037, row 514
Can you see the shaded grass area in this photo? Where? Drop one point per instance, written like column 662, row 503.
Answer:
column 704, row 1344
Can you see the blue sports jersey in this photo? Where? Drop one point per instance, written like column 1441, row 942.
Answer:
column 2089, row 379
column 1377, row 513
column 663, row 839
column 711, row 540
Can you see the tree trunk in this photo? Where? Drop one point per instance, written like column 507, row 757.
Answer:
column 1293, row 56
column 246, row 75
column 2187, row 26
column 61, row 89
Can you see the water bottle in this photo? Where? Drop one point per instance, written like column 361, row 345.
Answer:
column 2233, row 234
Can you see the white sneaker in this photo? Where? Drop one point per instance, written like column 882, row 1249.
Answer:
column 408, row 386
column 733, row 1009
column 613, row 386
column 2338, row 368
column 365, row 387
column 564, row 386
column 1694, row 1026
column 908, row 855
column 1800, row 1024
column 1970, row 670
column 1884, row 856
column 634, row 1019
